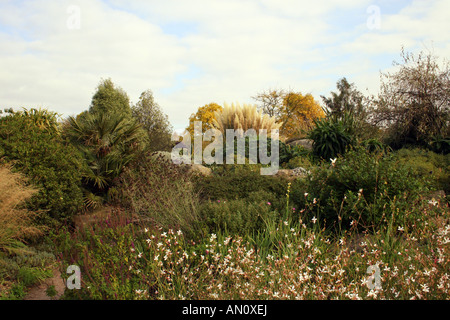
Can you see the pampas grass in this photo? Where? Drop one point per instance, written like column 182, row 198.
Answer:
column 243, row 117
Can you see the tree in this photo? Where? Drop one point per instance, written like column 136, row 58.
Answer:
column 413, row 104
column 350, row 106
column 109, row 98
column 108, row 137
column 298, row 113
column 107, row 141
column 206, row 115
column 347, row 100
column 295, row 111
column 271, row 102
column 154, row 122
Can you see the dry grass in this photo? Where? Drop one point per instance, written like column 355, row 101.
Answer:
column 16, row 222
column 243, row 117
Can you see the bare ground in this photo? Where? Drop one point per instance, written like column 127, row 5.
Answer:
column 38, row 292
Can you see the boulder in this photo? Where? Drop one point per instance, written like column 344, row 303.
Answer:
column 199, row 169
column 192, row 168
column 292, row 173
column 305, row 143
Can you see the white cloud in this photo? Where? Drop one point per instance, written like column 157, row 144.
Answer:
column 234, row 49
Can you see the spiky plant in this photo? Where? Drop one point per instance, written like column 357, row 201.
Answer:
column 108, row 141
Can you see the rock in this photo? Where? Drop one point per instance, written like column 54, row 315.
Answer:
column 299, row 171
column 440, row 194
column 285, row 173
column 198, row 169
column 305, row 143
column 192, row 168
column 292, row 173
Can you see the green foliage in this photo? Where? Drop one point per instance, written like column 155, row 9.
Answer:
column 300, row 161
column 425, row 164
column 283, row 260
column 154, row 122
column 332, row 136
column 107, row 141
column 373, row 145
column 31, row 276
column 110, row 99
column 362, row 186
column 288, row 152
column 154, row 188
column 110, row 244
column 24, row 269
column 238, row 183
column 48, row 161
column 440, row 144
column 240, row 216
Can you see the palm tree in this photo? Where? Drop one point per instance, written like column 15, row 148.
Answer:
column 108, row 142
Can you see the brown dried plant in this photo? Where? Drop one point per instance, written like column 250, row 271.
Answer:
column 16, row 222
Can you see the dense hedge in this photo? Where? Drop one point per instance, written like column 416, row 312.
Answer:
column 51, row 164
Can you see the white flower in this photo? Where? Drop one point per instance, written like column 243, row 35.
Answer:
column 314, row 219
column 433, row 202
column 425, row 288
column 400, row 229
column 306, row 194
column 140, row 255
column 179, row 232
column 164, row 234
column 372, row 293
column 333, row 161
column 145, row 230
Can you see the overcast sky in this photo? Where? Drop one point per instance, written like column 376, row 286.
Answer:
column 53, row 54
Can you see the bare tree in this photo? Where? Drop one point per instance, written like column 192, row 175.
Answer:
column 413, row 104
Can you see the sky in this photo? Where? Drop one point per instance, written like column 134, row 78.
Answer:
column 54, row 54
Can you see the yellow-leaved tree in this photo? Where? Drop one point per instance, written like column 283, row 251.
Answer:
column 298, row 113
column 295, row 111
column 206, row 115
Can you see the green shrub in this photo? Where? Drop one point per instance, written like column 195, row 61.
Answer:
column 237, row 217
column 332, row 136
column 300, row 161
column 52, row 165
column 154, row 188
column 238, row 183
column 439, row 144
column 362, row 186
column 429, row 165
column 288, row 152
column 31, row 276
column 373, row 145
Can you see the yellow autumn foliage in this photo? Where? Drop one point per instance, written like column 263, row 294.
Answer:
column 206, row 115
column 298, row 113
